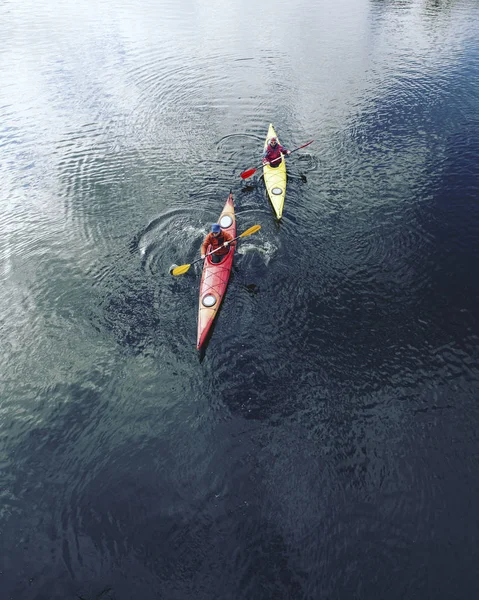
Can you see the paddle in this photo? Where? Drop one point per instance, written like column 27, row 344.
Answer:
column 249, row 172
column 184, row 268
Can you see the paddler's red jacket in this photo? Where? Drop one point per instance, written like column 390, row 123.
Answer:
column 271, row 153
column 216, row 242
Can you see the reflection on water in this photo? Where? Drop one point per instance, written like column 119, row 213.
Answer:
column 324, row 444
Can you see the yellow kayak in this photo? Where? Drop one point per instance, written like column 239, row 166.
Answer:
column 275, row 179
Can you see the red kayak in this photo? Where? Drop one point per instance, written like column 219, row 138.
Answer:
column 214, row 280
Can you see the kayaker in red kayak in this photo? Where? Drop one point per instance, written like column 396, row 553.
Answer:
column 215, row 239
column 272, row 154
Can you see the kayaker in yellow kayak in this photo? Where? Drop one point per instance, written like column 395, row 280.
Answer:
column 272, row 154
column 215, row 239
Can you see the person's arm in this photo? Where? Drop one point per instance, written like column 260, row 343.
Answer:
column 228, row 238
column 204, row 246
column 284, row 150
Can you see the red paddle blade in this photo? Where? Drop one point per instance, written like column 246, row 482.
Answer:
column 304, row 145
column 248, row 173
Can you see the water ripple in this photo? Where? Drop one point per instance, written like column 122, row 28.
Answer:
column 336, row 400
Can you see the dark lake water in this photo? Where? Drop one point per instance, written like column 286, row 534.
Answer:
column 325, row 445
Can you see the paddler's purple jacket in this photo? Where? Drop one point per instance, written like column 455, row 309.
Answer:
column 271, row 153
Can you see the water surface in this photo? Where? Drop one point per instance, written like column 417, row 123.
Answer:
column 325, row 445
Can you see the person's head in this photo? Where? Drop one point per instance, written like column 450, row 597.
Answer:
column 215, row 229
column 273, row 141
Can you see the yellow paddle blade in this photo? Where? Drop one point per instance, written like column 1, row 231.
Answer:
column 250, row 231
column 180, row 270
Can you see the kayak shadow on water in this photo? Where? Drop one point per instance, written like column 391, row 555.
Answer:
column 248, row 188
column 252, row 288
column 249, row 268
column 250, row 264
